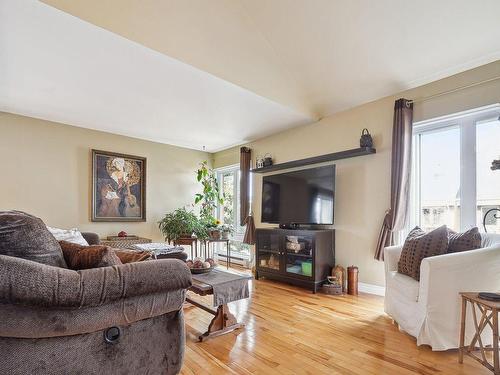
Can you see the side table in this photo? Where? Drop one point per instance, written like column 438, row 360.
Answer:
column 228, row 248
column 489, row 318
column 188, row 241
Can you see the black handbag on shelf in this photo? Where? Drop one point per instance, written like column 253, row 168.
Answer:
column 366, row 139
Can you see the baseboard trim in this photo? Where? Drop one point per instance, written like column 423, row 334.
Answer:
column 371, row 289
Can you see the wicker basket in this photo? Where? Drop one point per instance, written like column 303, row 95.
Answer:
column 125, row 243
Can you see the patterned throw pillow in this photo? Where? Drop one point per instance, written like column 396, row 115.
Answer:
column 80, row 257
column 420, row 245
column 465, row 241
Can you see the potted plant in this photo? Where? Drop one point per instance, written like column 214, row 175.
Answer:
column 210, row 195
column 226, row 230
column 214, row 230
column 182, row 223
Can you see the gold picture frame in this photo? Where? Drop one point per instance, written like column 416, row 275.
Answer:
column 118, row 187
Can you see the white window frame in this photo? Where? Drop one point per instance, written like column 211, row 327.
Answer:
column 239, row 231
column 236, row 257
column 466, row 121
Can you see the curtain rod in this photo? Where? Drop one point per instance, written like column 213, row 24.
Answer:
column 453, row 90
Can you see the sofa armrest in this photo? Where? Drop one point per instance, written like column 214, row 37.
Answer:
column 443, row 277
column 91, row 238
column 31, row 283
column 391, row 257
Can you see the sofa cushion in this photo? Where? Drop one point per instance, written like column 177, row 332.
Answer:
column 465, row 241
column 80, row 257
column 26, row 236
column 420, row 245
column 69, row 235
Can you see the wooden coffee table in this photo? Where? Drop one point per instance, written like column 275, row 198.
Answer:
column 223, row 321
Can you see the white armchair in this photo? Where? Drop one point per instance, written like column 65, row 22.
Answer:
column 429, row 310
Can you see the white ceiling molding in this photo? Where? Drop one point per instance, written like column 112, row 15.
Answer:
column 57, row 67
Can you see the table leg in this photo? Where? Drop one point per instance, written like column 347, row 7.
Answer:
column 478, row 332
column 222, row 323
column 496, row 364
column 462, row 332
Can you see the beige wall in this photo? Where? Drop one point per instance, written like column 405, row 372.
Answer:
column 46, row 171
column 363, row 183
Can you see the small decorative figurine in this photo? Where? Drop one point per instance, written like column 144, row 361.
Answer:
column 259, row 162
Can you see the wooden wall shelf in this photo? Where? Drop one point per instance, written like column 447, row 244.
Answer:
column 317, row 159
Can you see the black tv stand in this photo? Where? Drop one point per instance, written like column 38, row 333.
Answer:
column 297, row 256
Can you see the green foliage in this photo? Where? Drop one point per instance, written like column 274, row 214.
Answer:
column 181, row 223
column 210, row 195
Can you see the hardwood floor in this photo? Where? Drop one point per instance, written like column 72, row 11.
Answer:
column 291, row 331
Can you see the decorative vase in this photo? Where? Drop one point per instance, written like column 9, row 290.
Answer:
column 352, row 280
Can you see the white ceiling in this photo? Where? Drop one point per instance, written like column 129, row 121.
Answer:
column 57, row 67
column 313, row 57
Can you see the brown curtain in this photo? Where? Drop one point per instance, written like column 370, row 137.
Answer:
column 249, row 237
column 245, row 160
column 395, row 216
column 245, row 210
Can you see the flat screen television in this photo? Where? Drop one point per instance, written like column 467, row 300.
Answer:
column 299, row 197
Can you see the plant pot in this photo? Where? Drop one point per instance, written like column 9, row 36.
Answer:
column 224, row 236
column 183, row 238
column 214, row 234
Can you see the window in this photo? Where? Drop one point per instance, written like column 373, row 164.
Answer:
column 229, row 213
column 488, row 180
column 452, row 181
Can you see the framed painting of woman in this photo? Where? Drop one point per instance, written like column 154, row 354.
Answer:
column 118, row 187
